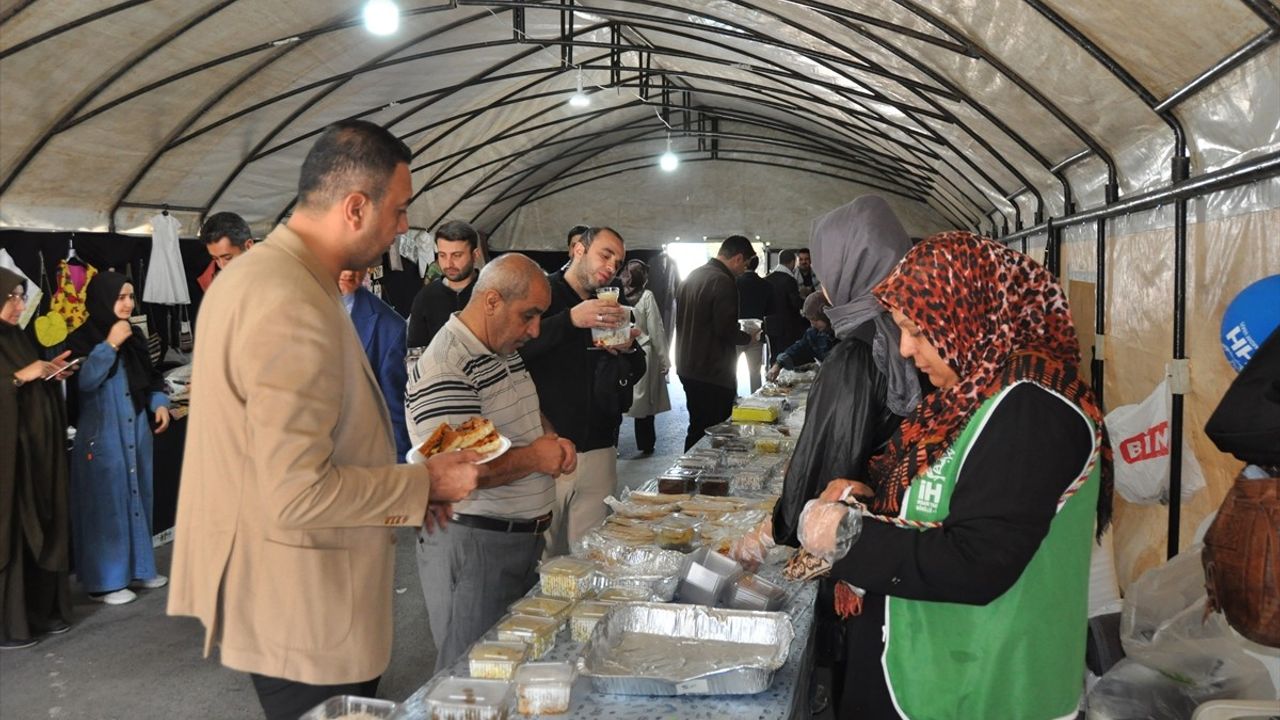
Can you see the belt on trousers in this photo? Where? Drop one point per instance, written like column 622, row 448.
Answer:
column 480, row 522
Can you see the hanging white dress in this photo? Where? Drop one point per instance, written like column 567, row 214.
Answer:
column 165, row 280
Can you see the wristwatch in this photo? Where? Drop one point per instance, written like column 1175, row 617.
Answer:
column 17, row 381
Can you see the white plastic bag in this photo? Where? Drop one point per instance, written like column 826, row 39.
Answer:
column 1177, row 658
column 1140, row 438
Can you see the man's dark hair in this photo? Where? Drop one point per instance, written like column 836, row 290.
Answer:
column 736, row 245
column 589, row 235
column 459, row 231
column 786, row 257
column 225, row 225
column 802, row 251
column 574, row 232
column 350, row 156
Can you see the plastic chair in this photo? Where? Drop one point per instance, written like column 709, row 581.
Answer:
column 1231, row 709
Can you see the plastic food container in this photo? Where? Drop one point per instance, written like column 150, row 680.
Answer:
column 566, row 577
column 676, row 533
column 544, row 688
column 457, row 698
column 585, row 615
column 496, row 660
column 671, row 484
column 706, row 577
column 539, row 633
column 342, row 707
column 715, row 484
column 751, row 592
column 548, row 607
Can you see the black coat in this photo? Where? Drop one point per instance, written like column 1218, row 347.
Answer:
column 846, row 421
column 580, row 388
column 784, row 324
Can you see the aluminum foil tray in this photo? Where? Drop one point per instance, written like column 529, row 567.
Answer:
column 666, row 649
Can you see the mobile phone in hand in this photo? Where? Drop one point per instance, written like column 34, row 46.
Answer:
column 64, row 368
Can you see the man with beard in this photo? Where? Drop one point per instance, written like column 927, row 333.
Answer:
column 457, row 252
column 583, row 390
column 285, row 545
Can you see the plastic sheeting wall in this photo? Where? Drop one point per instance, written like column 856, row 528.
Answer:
column 1231, row 241
column 651, row 207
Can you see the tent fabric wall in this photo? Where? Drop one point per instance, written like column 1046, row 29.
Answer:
column 651, row 208
column 1225, row 254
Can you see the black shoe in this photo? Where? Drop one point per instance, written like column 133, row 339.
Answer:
column 646, row 452
column 17, row 644
column 57, row 627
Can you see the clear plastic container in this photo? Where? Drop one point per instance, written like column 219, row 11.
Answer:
column 458, row 698
column 585, row 615
column 549, row 607
column 496, row 660
column 538, row 633
column 677, row 484
column 566, row 577
column 751, row 592
column 544, row 688
column 676, row 533
column 342, row 707
column 715, row 484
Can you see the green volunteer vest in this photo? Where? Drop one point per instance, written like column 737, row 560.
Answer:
column 1021, row 657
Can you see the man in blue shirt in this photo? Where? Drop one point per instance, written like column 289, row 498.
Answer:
column 382, row 332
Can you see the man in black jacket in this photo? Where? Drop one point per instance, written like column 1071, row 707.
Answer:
column 457, row 252
column 784, row 325
column 707, row 336
column 582, row 390
column 755, row 302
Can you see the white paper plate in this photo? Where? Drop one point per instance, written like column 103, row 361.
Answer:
column 414, row 456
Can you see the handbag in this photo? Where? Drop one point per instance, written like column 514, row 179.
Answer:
column 186, row 339
column 1241, row 559
column 612, row 385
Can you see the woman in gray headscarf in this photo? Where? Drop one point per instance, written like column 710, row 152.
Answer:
column 864, row 387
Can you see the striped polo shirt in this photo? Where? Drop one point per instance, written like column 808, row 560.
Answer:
column 457, row 377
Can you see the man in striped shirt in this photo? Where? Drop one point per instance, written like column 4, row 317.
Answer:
column 480, row 555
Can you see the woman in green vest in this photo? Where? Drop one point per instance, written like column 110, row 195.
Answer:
column 975, row 550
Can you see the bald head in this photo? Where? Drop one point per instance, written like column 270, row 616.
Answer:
column 511, row 275
column 505, row 310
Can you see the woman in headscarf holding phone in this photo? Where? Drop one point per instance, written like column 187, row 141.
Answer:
column 975, row 549
column 122, row 403
column 35, row 595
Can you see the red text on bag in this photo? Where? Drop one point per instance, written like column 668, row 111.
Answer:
column 1151, row 443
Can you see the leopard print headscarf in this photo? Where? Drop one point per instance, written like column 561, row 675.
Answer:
column 997, row 317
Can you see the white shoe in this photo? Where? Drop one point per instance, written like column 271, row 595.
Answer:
column 119, row 597
column 158, row 581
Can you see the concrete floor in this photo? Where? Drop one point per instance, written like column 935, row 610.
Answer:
column 133, row 662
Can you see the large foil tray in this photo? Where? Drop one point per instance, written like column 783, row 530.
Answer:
column 671, row 649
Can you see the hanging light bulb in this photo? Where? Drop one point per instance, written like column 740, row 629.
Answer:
column 579, row 98
column 669, row 162
column 381, row 17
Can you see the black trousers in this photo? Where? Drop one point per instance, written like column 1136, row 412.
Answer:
column 646, row 434
column 286, row 700
column 708, row 404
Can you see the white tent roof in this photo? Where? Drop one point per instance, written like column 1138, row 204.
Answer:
column 988, row 112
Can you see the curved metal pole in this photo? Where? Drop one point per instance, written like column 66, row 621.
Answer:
column 70, row 25
column 79, row 103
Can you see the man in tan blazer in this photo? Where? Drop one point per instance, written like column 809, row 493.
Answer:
column 290, row 489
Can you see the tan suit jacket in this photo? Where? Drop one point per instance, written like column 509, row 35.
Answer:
column 283, row 546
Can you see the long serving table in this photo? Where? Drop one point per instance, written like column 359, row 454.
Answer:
column 787, row 696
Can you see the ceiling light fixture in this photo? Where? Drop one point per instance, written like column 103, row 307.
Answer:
column 669, row 162
column 579, row 98
column 381, row 17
